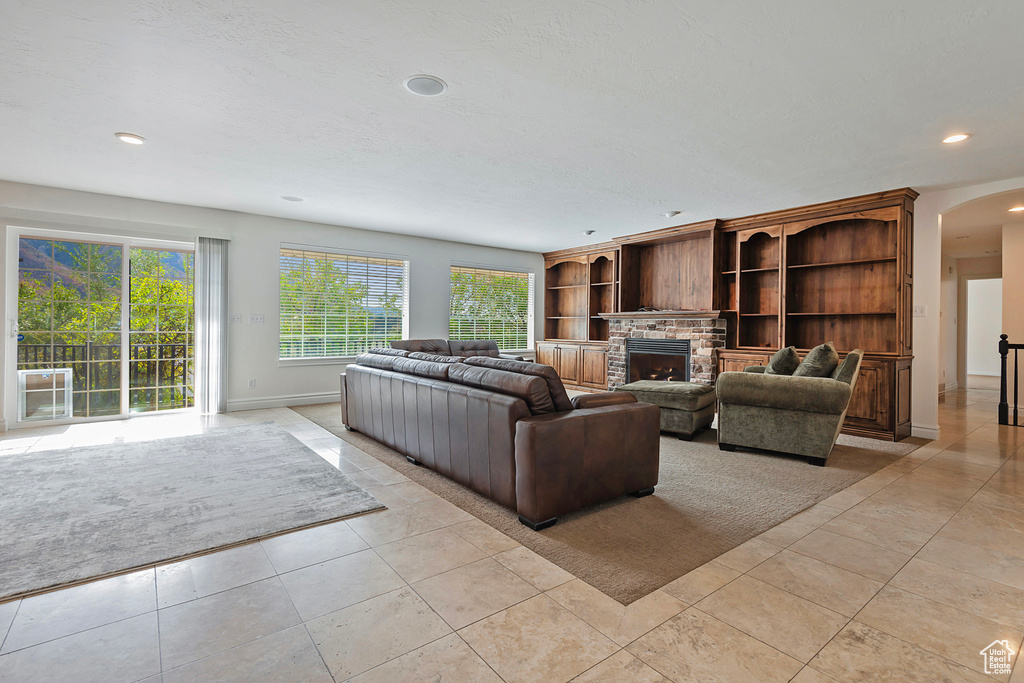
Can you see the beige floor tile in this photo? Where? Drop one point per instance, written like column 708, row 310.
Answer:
column 748, row 555
column 954, row 459
column 386, row 475
column 900, row 513
column 844, row 500
column 530, row 566
column 958, row 463
column 809, row 675
column 982, row 562
column 467, row 594
column 621, row 666
column 785, row 621
column 537, row 640
column 994, row 497
column 61, row 613
column 485, row 537
column 7, row 612
column 287, row 655
column 378, row 528
column 940, row 629
column 120, row 652
column 447, row 659
column 701, row 582
column 289, row 552
column 862, row 653
column 420, row 557
column 364, row 480
column 360, row 637
column 338, row 583
column 837, row 589
column 872, row 530
column 981, row 597
column 856, row 556
column 695, row 646
column 816, row 515
column 413, row 491
column 939, row 499
column 388, row 497
column 358, row 457
column 787, row 533
column 623, row 624
column 443, row 511
column 997, row 529
column 209, row 574
column 200, row 628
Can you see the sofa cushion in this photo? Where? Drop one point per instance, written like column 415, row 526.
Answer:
column 434, row 357
column 784, row 362
column 473, row 347
column 689, row 396
column 422, row 368
column 850, row 365
column 438, row 346
column 383, row 351
column 532, row 389
column 559, row 398
column 821, row 361
column 378, row 361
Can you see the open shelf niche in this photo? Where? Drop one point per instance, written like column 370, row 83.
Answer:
column 760, row 253
column 565, row 300
column 604, row 287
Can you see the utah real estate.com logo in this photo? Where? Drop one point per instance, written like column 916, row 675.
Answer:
column 998, row 657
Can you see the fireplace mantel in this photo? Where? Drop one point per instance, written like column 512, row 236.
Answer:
column 661, row 315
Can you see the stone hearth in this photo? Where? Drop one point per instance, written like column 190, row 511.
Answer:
column 706, row 333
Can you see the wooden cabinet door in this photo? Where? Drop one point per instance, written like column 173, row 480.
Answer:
column 728, row 362
column 871, row 404
column 546, row 354
column 568, row 363
column 594, row 367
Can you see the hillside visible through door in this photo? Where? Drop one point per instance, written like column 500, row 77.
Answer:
column 73, row 324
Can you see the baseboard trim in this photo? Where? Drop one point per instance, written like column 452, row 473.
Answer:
column 931, row 433
column 284, row 401
column 951, row 386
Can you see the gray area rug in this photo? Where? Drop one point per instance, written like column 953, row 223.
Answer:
column 81, row 513
column 707, row 502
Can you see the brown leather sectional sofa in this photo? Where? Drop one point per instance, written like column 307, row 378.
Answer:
column 505, row 429
column 462, row 348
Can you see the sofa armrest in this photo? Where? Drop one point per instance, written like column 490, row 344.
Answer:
column 344, row 400
column 605, row 398
column 757, row 369
column 566, row 461
column 510, row 357
column 805, row 394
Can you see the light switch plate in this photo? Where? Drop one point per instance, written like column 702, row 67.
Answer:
column 920, row 311
column 255, row 318
column 236, row 319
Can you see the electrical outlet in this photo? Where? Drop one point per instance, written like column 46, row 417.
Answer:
column 920, row 311
column 252, row 383
column 255, row 318
column 236, row 319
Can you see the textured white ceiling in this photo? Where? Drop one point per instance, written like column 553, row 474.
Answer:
column 976, row 228
column 559, row 117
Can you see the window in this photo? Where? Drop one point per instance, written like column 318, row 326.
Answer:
column 340, row 304
column 492, row 304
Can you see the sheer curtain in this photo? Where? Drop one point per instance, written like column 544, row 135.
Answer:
column 212, row 325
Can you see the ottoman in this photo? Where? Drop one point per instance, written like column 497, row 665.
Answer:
column 686, row 407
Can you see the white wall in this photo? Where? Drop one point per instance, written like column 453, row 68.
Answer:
column 253, row 274
column 928, row 210
column 984, row 325
column 1013, row 287
column 948, row 324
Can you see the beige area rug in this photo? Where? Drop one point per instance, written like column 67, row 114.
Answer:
column 707, row 502
column 80, row 513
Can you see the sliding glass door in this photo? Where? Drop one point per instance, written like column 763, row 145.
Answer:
column 73, row 328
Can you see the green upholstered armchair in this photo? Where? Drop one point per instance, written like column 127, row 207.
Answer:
column 799, row 415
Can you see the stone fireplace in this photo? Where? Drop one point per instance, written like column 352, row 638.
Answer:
column 666, row 360
column 705, row 332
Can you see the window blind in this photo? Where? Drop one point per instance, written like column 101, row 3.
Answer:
column 491, row 304
column 340, row 304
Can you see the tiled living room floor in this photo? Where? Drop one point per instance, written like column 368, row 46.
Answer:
column 906, row 575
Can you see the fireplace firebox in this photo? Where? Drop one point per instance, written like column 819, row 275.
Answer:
column 658, row 359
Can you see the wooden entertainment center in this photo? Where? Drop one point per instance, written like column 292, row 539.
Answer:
column 838, row 271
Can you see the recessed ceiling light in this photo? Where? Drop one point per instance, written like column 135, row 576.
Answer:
column 292, row 199
column 959, row 137
column 130, row 138
column 427, row 86
column 1017, row 208
column 671, row 214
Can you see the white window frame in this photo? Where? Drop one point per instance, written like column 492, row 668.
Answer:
column 338, row 360
column 531, row 297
